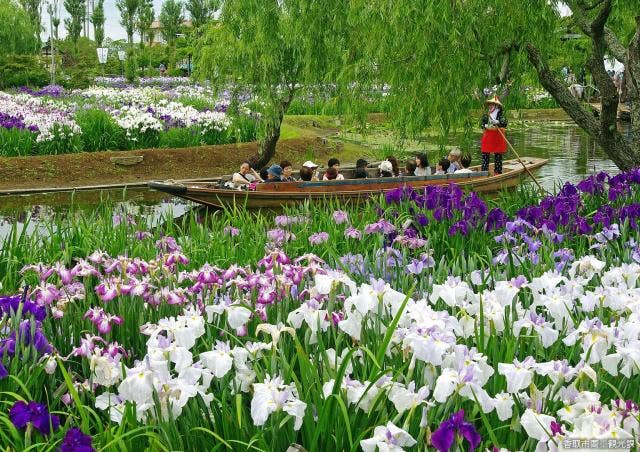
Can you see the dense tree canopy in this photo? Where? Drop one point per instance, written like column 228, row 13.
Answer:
column 201, row 11
column 171, row 19
column 145, row 20
column 97, row 19
column 437, row 56
column 77, row 10
column 128, row 15
column 17, row 34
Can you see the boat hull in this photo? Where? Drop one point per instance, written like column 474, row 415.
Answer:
column 347, row 191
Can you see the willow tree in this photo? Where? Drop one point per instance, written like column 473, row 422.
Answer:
column 436, row 55
column 271, row 48
column 17, row 35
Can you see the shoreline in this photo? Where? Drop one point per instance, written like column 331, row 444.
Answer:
column 306, row 138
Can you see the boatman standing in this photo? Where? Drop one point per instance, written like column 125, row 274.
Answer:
column 493, row 139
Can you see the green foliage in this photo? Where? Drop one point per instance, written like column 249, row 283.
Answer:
column 182, row 137
column 17, row 34
column 145, row 19
column 22, row 70
column 79, row 62
column 99, row 131
column 171, row 20
column 97, row 19
column 128, row 14
column 16, row 142
column 130, row 66
column 32, row 8
column 77, row 10
column 201, row 11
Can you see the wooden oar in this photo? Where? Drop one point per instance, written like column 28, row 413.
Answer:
column 522, row 163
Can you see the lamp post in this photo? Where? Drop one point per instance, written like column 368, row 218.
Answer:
column 122, row 55
column 103, row 52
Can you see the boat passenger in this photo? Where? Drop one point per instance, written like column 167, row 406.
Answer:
column 264, row 174
column 361, row 169
column 245, row 176
column 386, row 169
column 465, row 161
column 333, row 163
column 287, row 171
column 313, row 167
column 442, row 167
column 409, row 168
column 422, row 165
column 306, row 174
column 274, row 173
column 394, row 164
column 454, row 160
column 331, row 174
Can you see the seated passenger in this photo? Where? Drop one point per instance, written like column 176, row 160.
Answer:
column 442, row 167
column 274, row 173
column 454, row 160
column 386, row 169
column 394, row 164
column 422, row 165
column 264, row 174
column 331, row 174
column 465, row 161
column 287, row 170
column 306, row 174
column 245, row 176
column 313, row 167
column 361, row 169
column 409, row 168
column 333, row 163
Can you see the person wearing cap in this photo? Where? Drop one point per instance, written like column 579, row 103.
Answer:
column 274, row 173
column 361, row 169
column 386, row 169
column 493, row 140
column 309, row 166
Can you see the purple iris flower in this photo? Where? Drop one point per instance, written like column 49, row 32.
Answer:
column 9, row 305
column 442, row 439
column 76, row 441
column 22, row 413
column 3, row 371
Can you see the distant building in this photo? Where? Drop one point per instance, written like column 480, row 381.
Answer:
column 156, row 32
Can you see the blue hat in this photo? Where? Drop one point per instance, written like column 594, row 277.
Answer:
column 275, row 170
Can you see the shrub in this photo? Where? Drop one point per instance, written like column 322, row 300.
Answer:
column 22, row 70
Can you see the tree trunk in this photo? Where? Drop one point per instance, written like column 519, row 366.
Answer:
column 604, row 131
column 632, row 80
column 267, row 146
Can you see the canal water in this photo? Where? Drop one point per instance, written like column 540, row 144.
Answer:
column 572, row 156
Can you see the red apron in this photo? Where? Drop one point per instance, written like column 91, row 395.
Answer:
column 493, row 142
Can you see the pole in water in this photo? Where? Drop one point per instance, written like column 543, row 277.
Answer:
column 522, row 163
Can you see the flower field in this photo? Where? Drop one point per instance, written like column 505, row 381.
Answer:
column 54, row 121
column 422, row 320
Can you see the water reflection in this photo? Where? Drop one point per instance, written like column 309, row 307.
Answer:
column 23, row 214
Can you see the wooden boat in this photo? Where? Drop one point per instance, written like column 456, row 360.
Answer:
column 273, row 195
column 624, row 112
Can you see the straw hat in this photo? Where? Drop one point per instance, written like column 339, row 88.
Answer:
column 493, row 100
